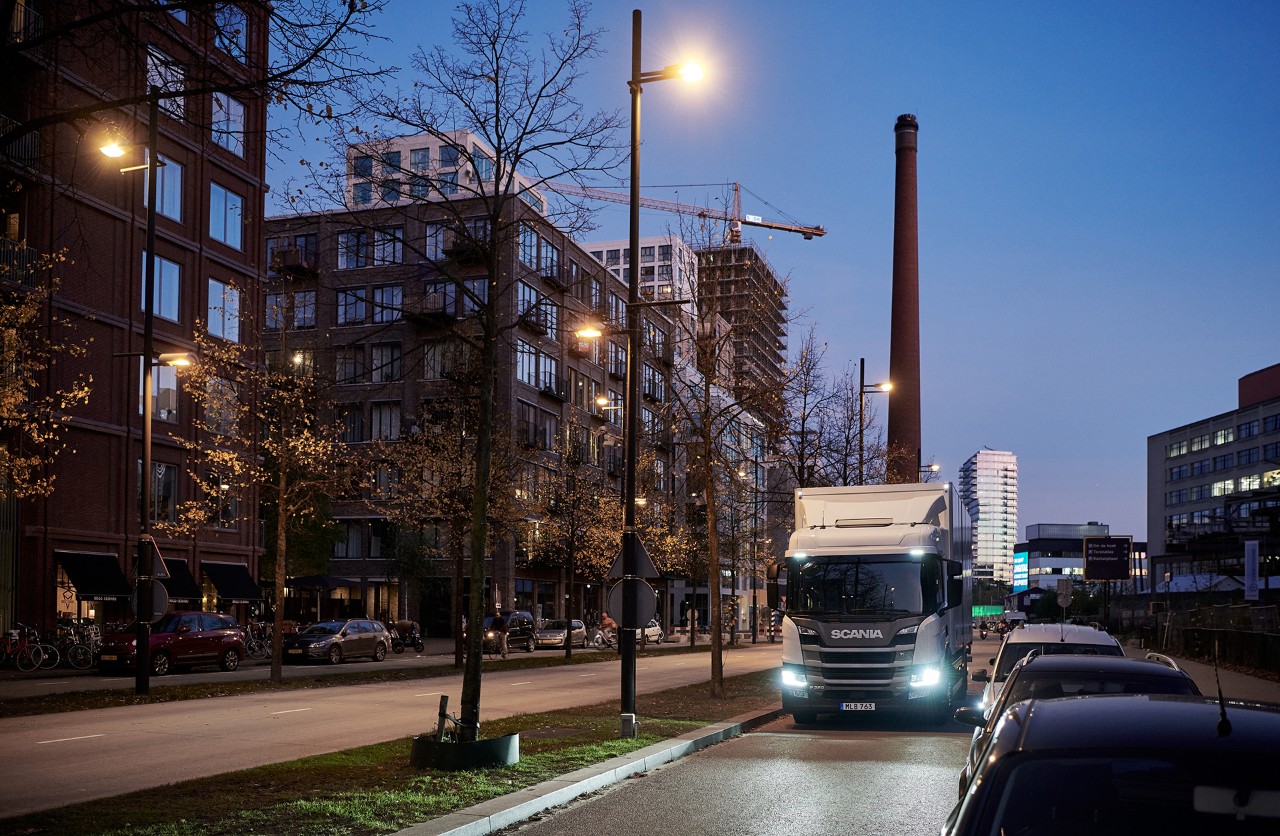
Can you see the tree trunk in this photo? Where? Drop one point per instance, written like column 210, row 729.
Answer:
column 277, row 620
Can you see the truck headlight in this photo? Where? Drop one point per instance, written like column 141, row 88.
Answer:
column 924, row 677
column 794, row 677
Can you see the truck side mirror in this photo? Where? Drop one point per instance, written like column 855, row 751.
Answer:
column 771, row 585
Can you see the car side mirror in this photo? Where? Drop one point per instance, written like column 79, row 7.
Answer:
column 184, row 629
column 970, row 716
column 980, row 675
column 344, row 634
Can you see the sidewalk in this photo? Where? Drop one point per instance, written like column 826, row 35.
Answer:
column 1235, row 685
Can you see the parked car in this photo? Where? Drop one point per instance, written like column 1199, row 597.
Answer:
column 520, row 631
column 652, row 632
column 1126, row 764
column 551, row 633
column 178, row 640
column 1037, row 676
column 1048, row 639
column 334, row 641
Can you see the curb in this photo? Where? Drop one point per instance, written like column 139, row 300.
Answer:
column 497, row 813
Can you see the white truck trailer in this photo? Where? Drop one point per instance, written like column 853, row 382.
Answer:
column 876, row 602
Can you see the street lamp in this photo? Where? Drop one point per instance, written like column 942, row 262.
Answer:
column 631, row 429
column 863, row 391
column 146, row 544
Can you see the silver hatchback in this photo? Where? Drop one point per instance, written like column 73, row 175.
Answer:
column 334, row 641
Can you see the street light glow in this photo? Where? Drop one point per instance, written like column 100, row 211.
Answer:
column 589, row 332
column 690, row 72
column 113, row 149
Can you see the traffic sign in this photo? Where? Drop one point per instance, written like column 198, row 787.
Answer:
column 1107, row 558
column 632, row 603
column 159, row 600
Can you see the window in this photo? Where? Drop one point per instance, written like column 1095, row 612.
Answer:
column 291, row 310
column 304, row 309
column 385, row 367
column 653, row 383
column 664, row 253
column 419, row 186
column 220, row 490
column 1271, row 452
column 435, row 361
column 353, row 250
column 389, row 191
column 617, row 360
column 1226, row 486
column 164, row 392
column 232, row 30
column 646, row 255
column 221, row 402
column 528, row 247
column 1179, row 472
column 166, row 74
column 1271, row 423
column 475, row 296
column 1250, row 483
column 1224, row 436
column 388, row 245
column 391, row 164
column 362, row 194
column 419, row 159
column 352, row 423
column 433, row 246
column 387, row 303
column 482, row 163
column 385, row 422
column 226, row 210
column 550, row 259
column 1201, row 467
column 168, row 282
column 526, row 363
column 1176, row 497
column 168, row 188
column 162, row 503
column 1177, row 448
column 449, row 157
column 349, row 544
column 224, row 311
column 598, row 255
column 349, row 364
column 1222, row 462
column 228, row 123
column 448, row 183
column 1250, row 456
column 1248, row 429
column 611, row 258
column 351, row 306
column 1200, row 442
column 362, row 165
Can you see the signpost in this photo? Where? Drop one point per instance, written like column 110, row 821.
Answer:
column 1107, row 559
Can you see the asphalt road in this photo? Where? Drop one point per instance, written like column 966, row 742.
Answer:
column 844, row 777
column 69, row 758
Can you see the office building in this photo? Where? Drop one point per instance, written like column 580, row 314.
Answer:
column 1056, row 550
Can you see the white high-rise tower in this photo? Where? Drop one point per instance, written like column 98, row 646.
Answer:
column 989, row 489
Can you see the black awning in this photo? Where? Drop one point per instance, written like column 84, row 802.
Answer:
column 180, row 584
column 95, row 575
column 234, row 583
column 313, row 583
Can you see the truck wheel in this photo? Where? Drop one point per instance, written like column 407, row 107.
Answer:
column 804, row 718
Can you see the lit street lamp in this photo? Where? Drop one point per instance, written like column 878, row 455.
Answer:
column 863, row 391
column 631, row 547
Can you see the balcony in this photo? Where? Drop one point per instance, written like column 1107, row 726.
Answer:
column 23, row 152
column 294, row 263
column 462, row 248
column 26, row 25
column 550, row 273
column 431, row 307
column 554, row 385
column 536, row 320
column 18, row 264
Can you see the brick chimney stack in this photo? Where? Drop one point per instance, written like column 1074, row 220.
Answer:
column 903, row 442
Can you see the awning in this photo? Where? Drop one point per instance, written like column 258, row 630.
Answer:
column 95, row 575
column 180, row 584
column 313, row 583
column 234, row 583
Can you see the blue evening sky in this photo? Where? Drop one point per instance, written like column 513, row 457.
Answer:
column 1098, row 190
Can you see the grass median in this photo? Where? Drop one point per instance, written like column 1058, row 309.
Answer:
column 373, row 789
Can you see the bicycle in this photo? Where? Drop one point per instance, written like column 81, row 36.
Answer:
column 257, row 644
column 19, row 645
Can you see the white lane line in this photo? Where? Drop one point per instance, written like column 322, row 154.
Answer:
column 432, row 694
column 586, row 674
column 528, row 682
column 291, row 711
column 66, row 739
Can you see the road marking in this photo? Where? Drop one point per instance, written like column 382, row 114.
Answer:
column 586, row 674
column 66, row 739
column 432, row 694
column 528, row 682
column 291, row 711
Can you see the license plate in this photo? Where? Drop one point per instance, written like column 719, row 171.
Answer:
column 857, row 706
column 295, row 650
column 108, row 657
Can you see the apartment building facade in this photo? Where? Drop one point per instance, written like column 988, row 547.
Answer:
column 989, row 489
column 70, row 554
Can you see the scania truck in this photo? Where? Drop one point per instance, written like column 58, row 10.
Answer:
column 876, row 601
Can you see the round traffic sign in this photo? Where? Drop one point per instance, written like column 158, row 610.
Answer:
column 637, row 593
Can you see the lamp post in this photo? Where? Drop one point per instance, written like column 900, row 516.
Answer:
column 631, row 428
column 146, row 544
column 863, row 391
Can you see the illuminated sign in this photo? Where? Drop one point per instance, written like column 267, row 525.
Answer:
column 1020, row 564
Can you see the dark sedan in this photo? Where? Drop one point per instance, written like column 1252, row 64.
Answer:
column 333, row 641
column 1126, row 764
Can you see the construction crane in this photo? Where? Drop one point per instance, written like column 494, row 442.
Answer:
column 734, row 218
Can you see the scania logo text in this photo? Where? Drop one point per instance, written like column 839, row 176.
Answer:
column 857, row 634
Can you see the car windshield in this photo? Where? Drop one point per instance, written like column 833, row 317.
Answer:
column 1192, row 792
column 324, row 628
column 876, row 586
column 553, row 624
column 1011, row 653
column 1051, row 685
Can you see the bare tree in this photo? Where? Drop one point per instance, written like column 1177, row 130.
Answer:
column 852, row 438
column 518, row 100
column 808, row 399
column 33, row 412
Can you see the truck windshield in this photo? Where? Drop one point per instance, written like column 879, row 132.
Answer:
column 868, row 586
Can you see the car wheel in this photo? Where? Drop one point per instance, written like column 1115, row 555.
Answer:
column 230, row 659
column 335, row 654
column 160, row 664
column 804, row 718
column 661, row 637
column 528, row 647
column 379, row 652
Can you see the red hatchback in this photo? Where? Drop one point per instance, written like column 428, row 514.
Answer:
column 179, row 640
